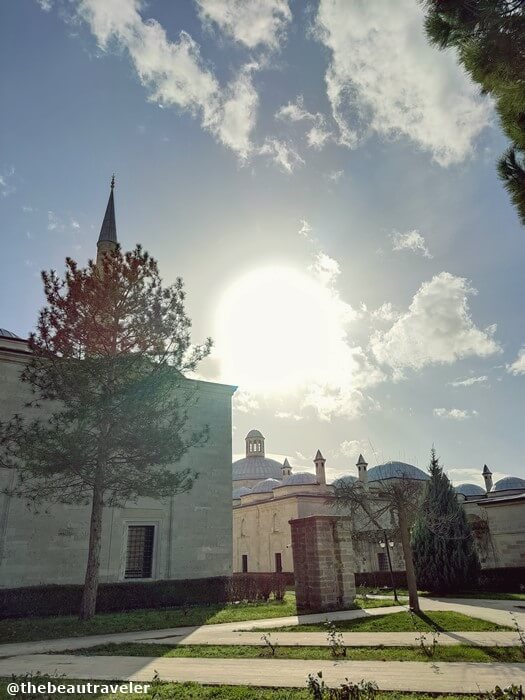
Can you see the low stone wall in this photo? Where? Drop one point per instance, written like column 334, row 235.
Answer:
column 324, row 563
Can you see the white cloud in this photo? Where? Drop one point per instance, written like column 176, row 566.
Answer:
column 454, row 413
column 54, row 223
column 412, row 241
column 385, row 77
column 282, row 154
column 250, row 22
column 518, row 366
column 326, row 269
column 335, row 175
column 45, row 5
column 245, row 402
column 175, row 73
column 286, row 415
column 469, row 381
column 305, row 229
column 317, row 135
column 74, row 224
column 6, row 187
column 386, row 312
column 437, row 328
column 353, row 448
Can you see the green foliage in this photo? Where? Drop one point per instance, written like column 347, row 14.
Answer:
column 364, row 690
column 489, row 37
column 444, row 553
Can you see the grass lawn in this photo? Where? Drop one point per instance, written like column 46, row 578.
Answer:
column 458, row 652
column 29, row 629
column 194, row 691
column 444, row 621
column 482, row 595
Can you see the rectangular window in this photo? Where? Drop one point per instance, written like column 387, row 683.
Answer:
column 244, row 563
column 382, row 561
column 139, row 553
column 278, row 562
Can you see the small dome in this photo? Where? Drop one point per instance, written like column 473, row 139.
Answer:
column 299, row 479
column 396, row 470
column 7, row 334
column 266, row 486
column 347, row 479
column 241, row 491
column 508, row 483
column 255, row 433
column 256, row 468
column 469, row 490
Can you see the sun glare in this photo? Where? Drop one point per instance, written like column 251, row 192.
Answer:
column 278, row 329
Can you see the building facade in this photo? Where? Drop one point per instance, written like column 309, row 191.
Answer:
column 186, row 536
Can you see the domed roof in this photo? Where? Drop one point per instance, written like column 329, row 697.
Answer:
column 255, row 433
column 7, row 334
column 266, row 486
column 469, row 490
column 299, row 479
column 396, row 470
column 241, row 491
column 509, row 482
column 346, row 479
column 256, row 468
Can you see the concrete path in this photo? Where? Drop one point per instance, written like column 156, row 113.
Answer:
column 494, row 611
column 391, row 675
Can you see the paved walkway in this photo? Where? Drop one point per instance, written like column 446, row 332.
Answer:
column 391, row 675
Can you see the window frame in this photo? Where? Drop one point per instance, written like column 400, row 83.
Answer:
column 124, row 554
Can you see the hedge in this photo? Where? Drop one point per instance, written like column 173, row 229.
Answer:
column 36, row 601
column 380, row 579
column 502, row 580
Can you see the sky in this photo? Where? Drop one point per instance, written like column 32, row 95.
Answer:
column 322, row 179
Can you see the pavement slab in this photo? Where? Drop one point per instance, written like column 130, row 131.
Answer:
column 390, row 675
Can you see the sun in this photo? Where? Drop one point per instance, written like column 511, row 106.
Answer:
column 277, row 329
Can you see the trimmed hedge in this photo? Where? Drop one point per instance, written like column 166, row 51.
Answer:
column 502, row 580
column 37, row 601
column 380, row 579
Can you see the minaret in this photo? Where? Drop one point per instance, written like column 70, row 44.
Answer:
column 361, row 468
column 319, row 462
column 487, row 475
column 107, row 240
column 286, row 468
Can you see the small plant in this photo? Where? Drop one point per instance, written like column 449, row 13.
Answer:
column 513, row 692
column 520, row 632
column 156, row 687
column 335, row 639
column 271, row 647
column 316, row 686
column 428, row 650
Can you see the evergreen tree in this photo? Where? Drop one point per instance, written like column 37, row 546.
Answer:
column 110, row 400
column 445, row 557
column 489, row 36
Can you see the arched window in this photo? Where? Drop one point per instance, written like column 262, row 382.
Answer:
column 243, row 528
column 275, row 523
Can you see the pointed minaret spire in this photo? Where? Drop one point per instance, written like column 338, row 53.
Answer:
column 361, row 465
column 107, row 240
column 487, row 476
column 319, row 462
column 286, row 468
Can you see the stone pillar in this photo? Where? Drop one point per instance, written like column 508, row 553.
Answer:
column 324, row 564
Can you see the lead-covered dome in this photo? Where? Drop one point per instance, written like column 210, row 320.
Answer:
column 241, row 491
column 256, row 468
column 299, row 479
column 469, row 490
column 509, row 483
column 396, row 470
column 266, row 486
column 8, row 334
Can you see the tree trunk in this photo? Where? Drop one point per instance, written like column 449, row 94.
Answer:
column 404, row 530
column 89, row 595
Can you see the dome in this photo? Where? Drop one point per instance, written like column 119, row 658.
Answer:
column 396, row 470
column 347, row 479
column 299, row 479
column 256, row 468
column 7, row 334
column 266, row 486
column 469, row 490
column 241, row 491
column 509, row 482
column 255, row 433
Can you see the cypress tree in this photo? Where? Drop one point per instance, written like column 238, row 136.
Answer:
column 445, row 557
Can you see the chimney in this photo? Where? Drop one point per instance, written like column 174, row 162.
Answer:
column 319, row 462
column 361, row 468
column 487, row 475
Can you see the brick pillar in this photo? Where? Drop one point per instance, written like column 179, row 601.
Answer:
column 324, row 565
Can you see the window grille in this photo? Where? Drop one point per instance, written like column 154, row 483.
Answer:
column 139, row 554
column 382, row 561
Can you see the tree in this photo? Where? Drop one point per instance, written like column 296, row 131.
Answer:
column 111, row 400
column 489, row 36
column 398, row 498
column 442, row 542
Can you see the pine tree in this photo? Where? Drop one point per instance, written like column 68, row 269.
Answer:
column 489, row 37
column 109, row 395
column 445, row 557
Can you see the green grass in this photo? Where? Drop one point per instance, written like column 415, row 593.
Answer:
column 482, row 595
column 29, row 629
column 459, row 652
column 194, row 691
column 444, row 621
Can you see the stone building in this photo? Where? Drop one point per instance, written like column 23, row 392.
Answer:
column 267, row 496
column 186, row 536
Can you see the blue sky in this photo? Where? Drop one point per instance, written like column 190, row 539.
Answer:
column 324, row 182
